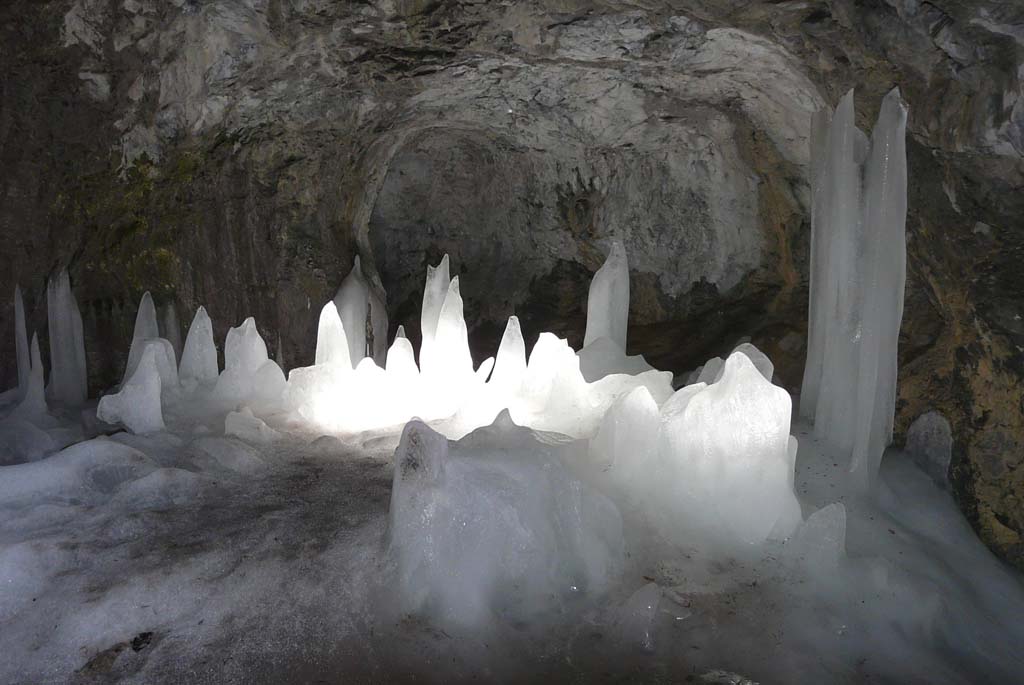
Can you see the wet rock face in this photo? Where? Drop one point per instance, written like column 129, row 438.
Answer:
column 239, row 154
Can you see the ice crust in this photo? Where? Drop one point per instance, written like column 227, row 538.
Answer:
column 858, row 271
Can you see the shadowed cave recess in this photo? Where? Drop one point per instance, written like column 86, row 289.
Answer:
column 242, row 155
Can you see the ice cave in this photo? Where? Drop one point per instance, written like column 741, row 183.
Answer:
column 433, row 341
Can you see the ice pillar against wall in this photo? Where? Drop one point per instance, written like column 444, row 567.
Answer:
column 68, row 379
column 858, row 271
column 608, row 300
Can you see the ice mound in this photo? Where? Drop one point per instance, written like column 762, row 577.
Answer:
column 245, row 425
column 137, row 405
column 88, row 471
column 715, row 462
column 930, row 443
column 637, row 617
column 819, row 544
column 494, row 526
column 249, row 375
column 230, row 454
column 22, row 441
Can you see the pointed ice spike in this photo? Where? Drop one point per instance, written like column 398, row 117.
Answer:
column 67, row 345
column 608, row 301
column 33, row 403
column 146, row 328
column 331, row 342
column 434, row 292
column 353, row 304
column 510, row 364
column 452, row 338
column 21, row 343
column 171, row 329
column 199, row 356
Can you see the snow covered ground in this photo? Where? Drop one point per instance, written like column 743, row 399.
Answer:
column 184, row 557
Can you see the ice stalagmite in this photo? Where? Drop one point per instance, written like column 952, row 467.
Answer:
column 434, row 291
column 331, row 342
column 819, row 280
column 33, row 402
column 171, row 328
column 608, row 301
column 21, row 343
column 362, row 315
column 352, row 302
column 884, row 277
column 401, row 361
column 510, row 364
column 858, row 269
column 67, row 344
column 199, row 357
column 452, row 338
column 146, row 328
column 834, row 410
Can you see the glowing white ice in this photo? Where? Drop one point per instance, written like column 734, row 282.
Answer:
column 362, row 315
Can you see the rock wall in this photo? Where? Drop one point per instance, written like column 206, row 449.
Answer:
column 240, row 153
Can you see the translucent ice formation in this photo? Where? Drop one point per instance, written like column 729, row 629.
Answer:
column 434, row 291
column 716, row 461
column 608, row 301
column 249, row 375
column 858, row 270
column 244, row 424
column 930, row 443
column 331, row 342
column 33, row 401
column 67, row 344
column 137, row 404
column 362, row 315
column 146, row 328
column 21, row 347
column 604, row 357
column 494, row 526
column 199, row 357
column 171, row 329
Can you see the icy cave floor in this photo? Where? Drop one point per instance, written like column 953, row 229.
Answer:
column 226, row 561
